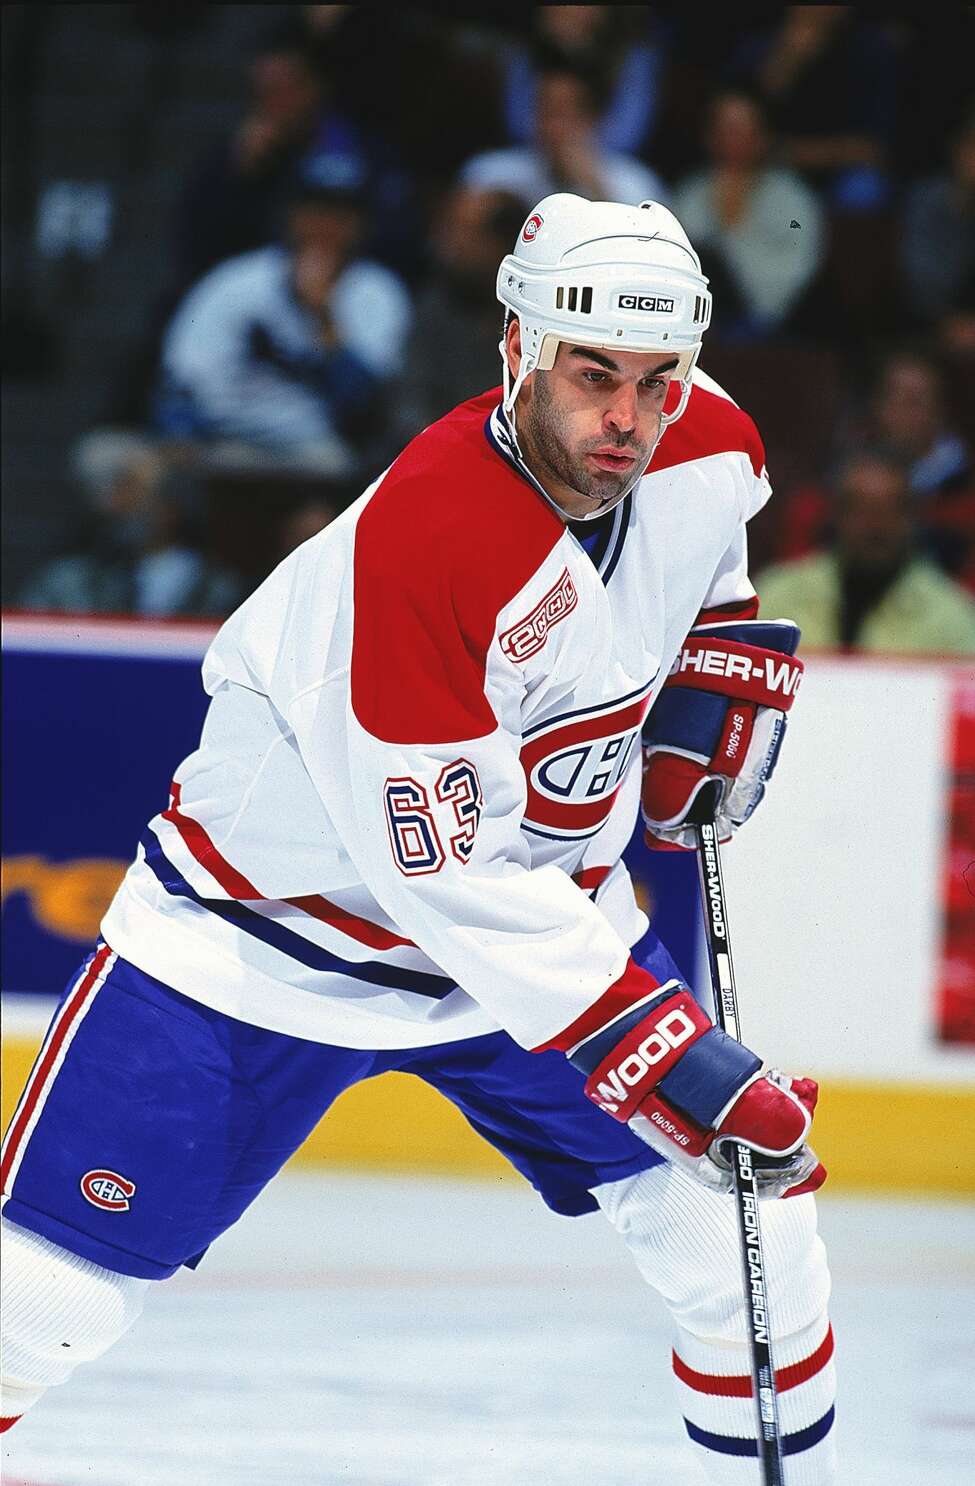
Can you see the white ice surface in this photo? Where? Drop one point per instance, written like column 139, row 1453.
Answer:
column 367, row 1331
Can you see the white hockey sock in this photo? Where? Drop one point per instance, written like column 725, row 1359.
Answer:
column 57, row 1310
column 685, row 1242
column 715, row 1392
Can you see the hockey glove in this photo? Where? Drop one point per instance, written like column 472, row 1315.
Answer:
column 691, row 1091
column 719, row 720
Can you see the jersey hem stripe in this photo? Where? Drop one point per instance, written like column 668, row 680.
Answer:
column 197, row 841
column 285, row 940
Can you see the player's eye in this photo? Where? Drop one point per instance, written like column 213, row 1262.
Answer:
column 594, row 376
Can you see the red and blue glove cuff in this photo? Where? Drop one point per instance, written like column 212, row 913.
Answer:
column 666, row 1046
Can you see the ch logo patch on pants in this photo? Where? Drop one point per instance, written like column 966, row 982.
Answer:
column 107, row 1190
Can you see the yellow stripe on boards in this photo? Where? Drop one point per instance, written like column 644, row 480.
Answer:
column 872, row 1137
column 879, row 1137
column 897, row 1137
column 396, row 1122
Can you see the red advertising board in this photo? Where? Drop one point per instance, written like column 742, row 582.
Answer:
column 956, row 985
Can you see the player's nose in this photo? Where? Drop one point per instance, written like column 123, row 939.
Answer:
column 621, row 414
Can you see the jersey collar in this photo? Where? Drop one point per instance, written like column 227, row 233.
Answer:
column 498, row 432
column 602, row 540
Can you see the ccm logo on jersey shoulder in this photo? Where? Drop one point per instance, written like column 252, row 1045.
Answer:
column 651, row 303
column 107, row 1190
column 528, row 636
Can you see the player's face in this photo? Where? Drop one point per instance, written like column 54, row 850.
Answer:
column 588, row 426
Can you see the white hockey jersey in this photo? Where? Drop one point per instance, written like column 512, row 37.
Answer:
column 421, row 762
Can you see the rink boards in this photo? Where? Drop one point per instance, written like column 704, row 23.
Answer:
column 852, row 892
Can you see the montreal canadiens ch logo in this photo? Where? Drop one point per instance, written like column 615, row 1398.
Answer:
column 531, row 228
column 107, row 1190
column 575, row 764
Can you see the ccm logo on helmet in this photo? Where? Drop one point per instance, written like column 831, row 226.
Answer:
column 530, row 230
column 652, row 303
column 672, row 1031
column 107, row 1190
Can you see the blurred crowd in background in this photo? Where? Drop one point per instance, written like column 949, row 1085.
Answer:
column 250, row 250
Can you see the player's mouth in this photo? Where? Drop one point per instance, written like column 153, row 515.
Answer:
column 612, row 459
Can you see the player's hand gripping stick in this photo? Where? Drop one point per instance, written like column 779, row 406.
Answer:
column 693, row 1092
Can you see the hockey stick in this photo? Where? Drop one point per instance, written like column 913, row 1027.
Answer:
column 743, row 1174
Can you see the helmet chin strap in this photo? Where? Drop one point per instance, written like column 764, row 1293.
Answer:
column 512, row 388
column 610, row 505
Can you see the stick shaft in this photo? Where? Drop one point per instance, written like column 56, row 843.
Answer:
column 743, row 1175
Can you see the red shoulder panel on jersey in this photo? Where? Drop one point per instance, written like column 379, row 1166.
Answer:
column 710, row 425
column 447, row 540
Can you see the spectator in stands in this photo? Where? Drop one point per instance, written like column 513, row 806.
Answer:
column 234, row 202
column 286, row 351
column 237, row 200
column 938, row 245
column 410, row 76
column 565, row 154
column 872, row 590
column 453, row 347
column 828, row 76
column 602, row 39
column 908, row 417
column 135, row 555
column 757, row 226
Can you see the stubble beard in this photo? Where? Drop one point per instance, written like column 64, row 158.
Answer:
column 544, row 436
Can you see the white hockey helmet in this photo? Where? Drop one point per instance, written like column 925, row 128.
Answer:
column 601, row 274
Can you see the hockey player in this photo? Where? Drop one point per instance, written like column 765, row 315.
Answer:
column 398, row 847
